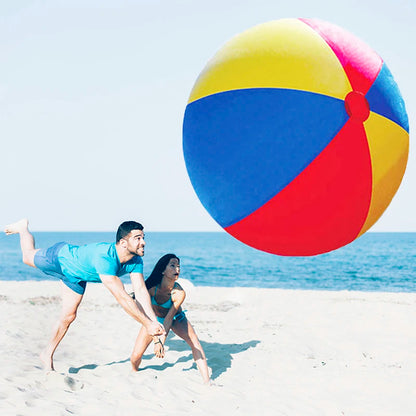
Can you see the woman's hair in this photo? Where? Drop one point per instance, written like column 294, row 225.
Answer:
column 156, row 276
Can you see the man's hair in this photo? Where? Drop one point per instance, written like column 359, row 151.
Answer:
column 126, row 228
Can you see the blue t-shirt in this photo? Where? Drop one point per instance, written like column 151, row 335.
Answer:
column 89, row 261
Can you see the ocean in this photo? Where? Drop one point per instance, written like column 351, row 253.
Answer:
column 374, row 262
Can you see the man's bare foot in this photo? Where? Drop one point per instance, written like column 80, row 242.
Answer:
column 16, row 227
column 46, row 361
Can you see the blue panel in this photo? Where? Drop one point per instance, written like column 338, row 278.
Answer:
column 385, row 99
column 242, row 147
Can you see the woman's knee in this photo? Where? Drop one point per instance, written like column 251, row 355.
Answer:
column 196, row 347
column 136, row 356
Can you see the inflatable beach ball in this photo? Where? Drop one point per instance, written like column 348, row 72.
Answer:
column 295, row 137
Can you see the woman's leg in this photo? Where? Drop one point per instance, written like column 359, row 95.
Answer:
column 184, row 330
column 142, row 342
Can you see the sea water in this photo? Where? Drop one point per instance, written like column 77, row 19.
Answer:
column 374, row 262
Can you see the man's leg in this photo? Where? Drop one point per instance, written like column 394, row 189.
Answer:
column 70, row 303
column 27, row 242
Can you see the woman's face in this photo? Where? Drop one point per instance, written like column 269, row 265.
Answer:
column 172, row 269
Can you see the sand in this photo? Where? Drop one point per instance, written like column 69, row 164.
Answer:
column 270, row 351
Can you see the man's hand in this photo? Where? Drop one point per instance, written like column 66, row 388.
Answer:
column 155, row 328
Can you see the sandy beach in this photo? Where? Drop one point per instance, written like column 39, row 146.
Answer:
column 270, row 351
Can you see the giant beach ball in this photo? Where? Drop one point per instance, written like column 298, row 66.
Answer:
column 295, row 137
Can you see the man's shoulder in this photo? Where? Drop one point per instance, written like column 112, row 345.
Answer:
column 135, row 260
column 101, row 249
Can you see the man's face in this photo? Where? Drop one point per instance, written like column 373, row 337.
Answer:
column 135, row 242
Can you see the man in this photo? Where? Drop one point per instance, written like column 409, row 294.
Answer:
column 101, row 262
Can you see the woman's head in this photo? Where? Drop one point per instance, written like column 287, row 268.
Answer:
column 157, row 273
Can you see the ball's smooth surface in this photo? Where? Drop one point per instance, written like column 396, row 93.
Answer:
column 295, row 137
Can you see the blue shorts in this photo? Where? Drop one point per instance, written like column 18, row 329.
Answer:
column 46, row 260
column 180, row 316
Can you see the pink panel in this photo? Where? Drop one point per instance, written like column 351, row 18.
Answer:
column 360, row 62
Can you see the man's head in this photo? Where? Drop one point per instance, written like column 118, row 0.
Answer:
column 126, row 228
column 130, row 236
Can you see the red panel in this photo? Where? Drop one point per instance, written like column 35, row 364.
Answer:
column 360, row 62
column 323, row 208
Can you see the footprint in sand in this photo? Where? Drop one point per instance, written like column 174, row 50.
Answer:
column 58, row 378
column 73, row 384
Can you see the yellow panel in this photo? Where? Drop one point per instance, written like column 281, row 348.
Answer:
column 389, row 149
column 284, row 53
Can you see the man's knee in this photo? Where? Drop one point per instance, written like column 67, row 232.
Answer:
column 28, row 257
column 68, row 318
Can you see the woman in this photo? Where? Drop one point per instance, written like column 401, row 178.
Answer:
column 167, row 297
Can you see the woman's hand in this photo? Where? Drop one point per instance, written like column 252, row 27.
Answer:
column 159, row 349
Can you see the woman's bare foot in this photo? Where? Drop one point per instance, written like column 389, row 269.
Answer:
column 16, row 227
column 135, row 364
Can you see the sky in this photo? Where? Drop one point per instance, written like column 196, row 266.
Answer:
column 93, row 93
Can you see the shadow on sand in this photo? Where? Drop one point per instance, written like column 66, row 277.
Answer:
column 76, row 370
column 219, row 357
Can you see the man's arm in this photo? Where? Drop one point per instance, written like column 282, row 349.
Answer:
column 142, row 295
column 116, row 287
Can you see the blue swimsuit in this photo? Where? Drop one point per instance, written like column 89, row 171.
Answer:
column 180, row 315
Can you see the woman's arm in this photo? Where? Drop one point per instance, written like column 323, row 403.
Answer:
column 178, row 296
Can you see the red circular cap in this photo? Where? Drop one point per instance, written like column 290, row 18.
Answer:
column 357, row 106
